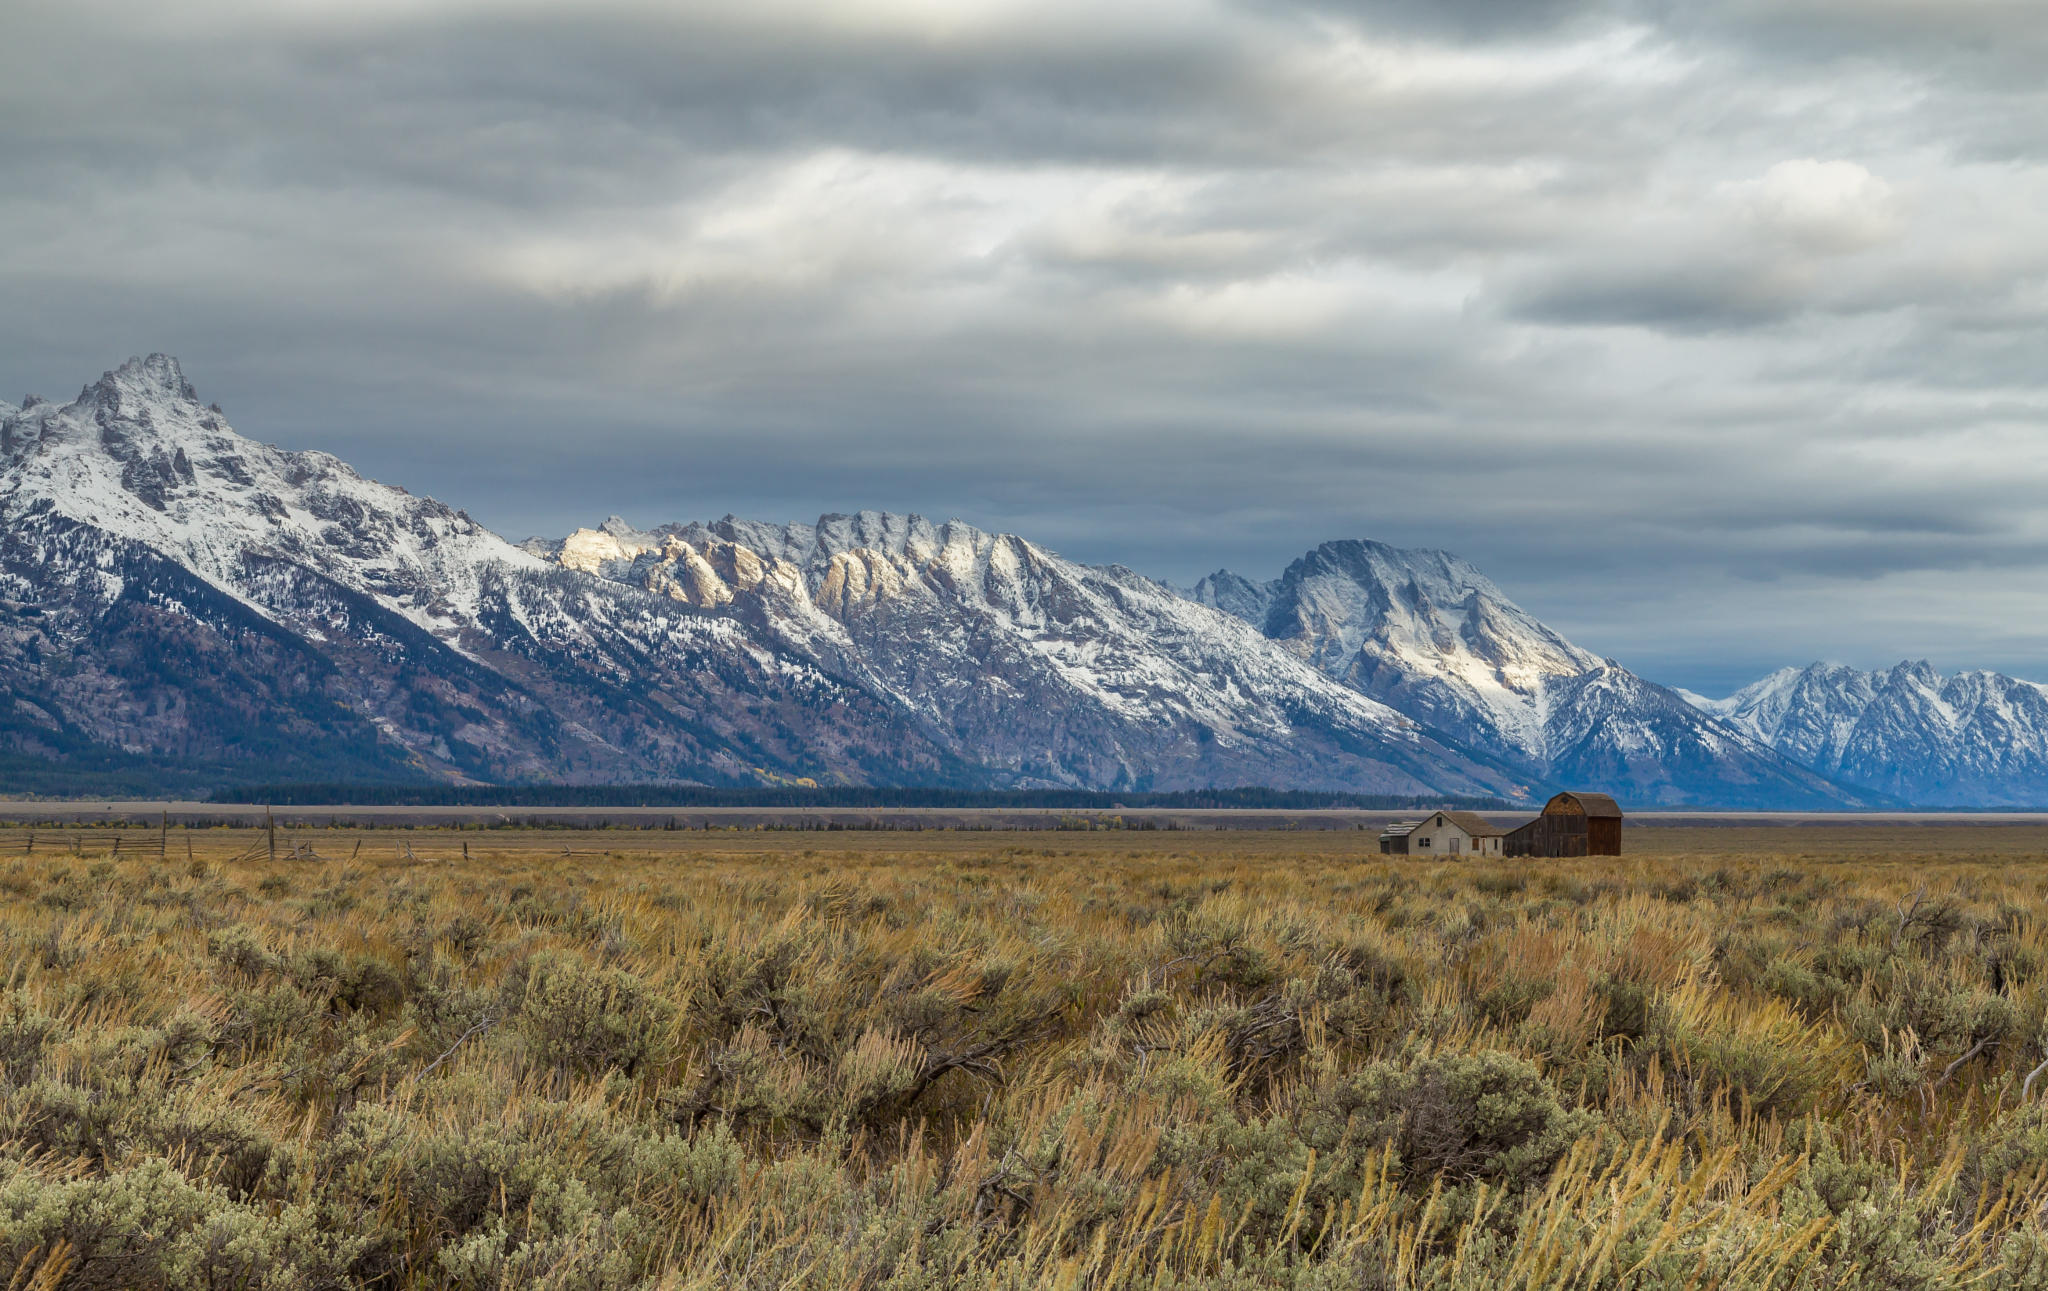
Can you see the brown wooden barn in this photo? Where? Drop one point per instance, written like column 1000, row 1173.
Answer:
column 1572, row 824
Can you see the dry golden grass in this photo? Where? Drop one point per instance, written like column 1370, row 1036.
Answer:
column 1792, row 1057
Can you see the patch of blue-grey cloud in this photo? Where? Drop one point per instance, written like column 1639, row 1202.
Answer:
column 1711, row 331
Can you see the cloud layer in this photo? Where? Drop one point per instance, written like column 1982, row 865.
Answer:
column 1714, row 331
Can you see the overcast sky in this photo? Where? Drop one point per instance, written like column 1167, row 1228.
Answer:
column 1716, row 333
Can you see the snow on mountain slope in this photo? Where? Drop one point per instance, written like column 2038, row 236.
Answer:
column 209, row 605
column 1426, row 624
column 1973, row 739
column 1055, row 672
column 200, row 604
column 179, row 593
column 1431, row 636
column 137, row 456
column 1235, row 595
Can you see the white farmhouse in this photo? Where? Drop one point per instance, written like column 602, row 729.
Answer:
column 1447, row 833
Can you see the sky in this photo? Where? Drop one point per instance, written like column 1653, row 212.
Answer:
column 1716, row 333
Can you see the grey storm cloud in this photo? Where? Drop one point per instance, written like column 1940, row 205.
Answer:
column 1712, row 331
column 1468, row 20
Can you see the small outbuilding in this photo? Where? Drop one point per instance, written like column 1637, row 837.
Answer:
column 1572, row 824
column 1446, row 833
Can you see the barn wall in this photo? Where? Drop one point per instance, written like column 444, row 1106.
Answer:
column 1603, row 837
column 1549, row 835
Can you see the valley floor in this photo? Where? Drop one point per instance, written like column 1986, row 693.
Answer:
column 1737, row 1057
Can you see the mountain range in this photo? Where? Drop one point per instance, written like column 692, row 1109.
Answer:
column 181, row 606
column 1975, row 739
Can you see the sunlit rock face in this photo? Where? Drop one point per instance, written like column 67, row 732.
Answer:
column 1042, row 670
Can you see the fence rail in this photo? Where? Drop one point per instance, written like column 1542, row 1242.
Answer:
column 237, row 844
column 84, row 842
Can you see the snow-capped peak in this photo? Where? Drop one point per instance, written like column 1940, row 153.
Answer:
column 1973, row 738
column 813, row 547
column 1425, row 622
column 1020, row 657
column 136, row 455
column 157, row 375
column 1425, row 632
column 1235, row 595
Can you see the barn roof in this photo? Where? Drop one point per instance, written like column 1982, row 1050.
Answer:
column 1596, row 805
column 1472, row 823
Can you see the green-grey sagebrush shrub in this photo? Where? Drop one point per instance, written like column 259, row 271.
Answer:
column 589, row 1020
column 1480, row 1116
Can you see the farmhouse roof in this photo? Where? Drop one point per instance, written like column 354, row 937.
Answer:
column 1474, row 824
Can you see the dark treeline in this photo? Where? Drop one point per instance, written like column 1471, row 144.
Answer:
column 656, row 795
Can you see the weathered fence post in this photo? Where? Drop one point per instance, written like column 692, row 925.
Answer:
column 163, row 837
column 270, row 830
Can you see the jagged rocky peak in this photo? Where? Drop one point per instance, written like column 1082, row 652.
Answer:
column 701, row 566
column 143, row 409
column 137, row 456
column 157, row 374
column 1975, row 738
column 1813, row 706
column 140, row 382
column 839, row 562
column 1356, row 595
column 1764, row 704
column 812, row 547
column 1235, row 595
column 1916, row 672
column 1426, row 633
column 144, row 416
column 593, row 551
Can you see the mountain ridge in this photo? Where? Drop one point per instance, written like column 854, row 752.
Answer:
column 1975, row 738
column 151, row 552
column 176, row 594
column 1005, row 648
column 157, row 567
column 1426, row 632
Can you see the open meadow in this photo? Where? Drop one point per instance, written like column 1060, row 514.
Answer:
column 1736, row 1057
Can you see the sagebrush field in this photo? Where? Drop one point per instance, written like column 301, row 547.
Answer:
column 1796, row 1057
